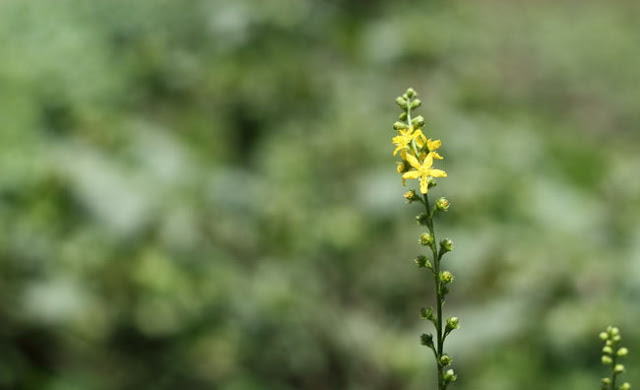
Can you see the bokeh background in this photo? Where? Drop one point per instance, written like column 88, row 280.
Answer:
column 201, row 195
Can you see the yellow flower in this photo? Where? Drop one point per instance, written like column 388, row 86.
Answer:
column 403, row 140
column 432, row 146
column 423, row 171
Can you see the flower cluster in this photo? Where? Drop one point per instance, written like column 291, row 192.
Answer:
column 417, row 153
column 416, row 150
column 610, row 355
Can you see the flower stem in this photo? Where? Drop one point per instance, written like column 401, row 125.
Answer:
column 439, row 294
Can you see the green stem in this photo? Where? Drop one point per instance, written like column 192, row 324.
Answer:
column 613, row 371
column 439, row 294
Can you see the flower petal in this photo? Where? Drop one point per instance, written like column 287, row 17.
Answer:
column 437, row 173
column 424, row 184
column 413, row 161
column 436, row 155
column 411, row 175
column 433, row 145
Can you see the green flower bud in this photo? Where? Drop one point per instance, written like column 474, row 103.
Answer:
column 411, row 93
column 426, row 339
column 426, row 313
column 432, row 183
column 452, row 323
column 622, row 352
column 445, row 360
column 400, row 126
column 446, row 245
column 442, row 204
column 422, row 219
column 618, row 368
column 411, row 196
column 403, row 116
column 607, row 349
column 421, row 261
column 426, row 239
column 613, row 330
column 449, row 376
column 418, row 121
column 400, row 101
column 625, row 386
column 616, row 338
column 603, row 336
column 416, row 103
column 608, row 342
column 446, row 277
column 606, row 381
column 606, row 360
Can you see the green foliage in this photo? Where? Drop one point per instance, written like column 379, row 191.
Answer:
column 194, row 194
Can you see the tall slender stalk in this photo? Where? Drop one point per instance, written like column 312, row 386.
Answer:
column 417, row 153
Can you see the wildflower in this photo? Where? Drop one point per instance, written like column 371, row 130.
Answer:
column 423, row 171
column 403, row 140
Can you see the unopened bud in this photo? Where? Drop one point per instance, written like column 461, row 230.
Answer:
column 401, row 102
column 403, row 116
column 411, row 196
column 622, row 352
column 449, row 376
column 618, row 368
column 416, row 103
column 426, row 239
column 411, row 93
column 442, row 204
column 607, row 349
column 452, row 323
column 445, row 360
column 606, row 360
column 418, row 121
column 426, row 339
column 426, row 313
column 446, row 245
column 421, row 261
column 625, row 386
column 400, row 126
column 603, row 336
column 446, row 277
column 422, row 219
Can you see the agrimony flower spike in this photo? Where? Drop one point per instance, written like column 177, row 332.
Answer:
column 417, row 154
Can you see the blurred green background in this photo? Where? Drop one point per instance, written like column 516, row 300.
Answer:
column 201, row 195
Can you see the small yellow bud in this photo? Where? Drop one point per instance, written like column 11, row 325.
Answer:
column 603, row 336
column 411, row 196
column 625, row 386
column 607, row 349
column 622, row 352
column 442, row 204
column 606, row 360
column 426, row 239
column 446, row 277
column 618, row 368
